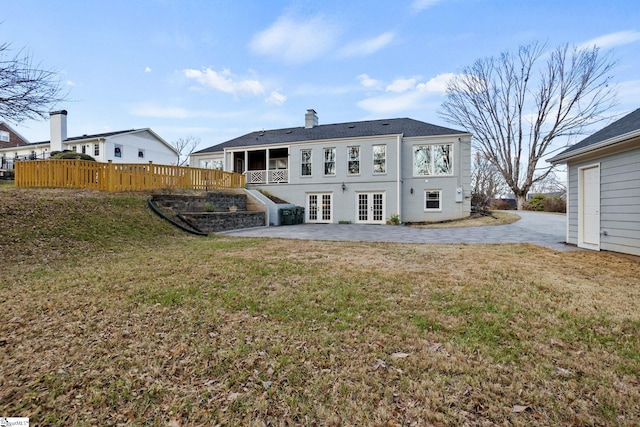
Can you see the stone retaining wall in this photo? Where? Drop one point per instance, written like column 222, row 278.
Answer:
column 223, row 221
column 229, row 210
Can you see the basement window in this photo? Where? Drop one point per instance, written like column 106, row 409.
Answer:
column 432, row 200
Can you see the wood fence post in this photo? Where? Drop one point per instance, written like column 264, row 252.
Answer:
column 109, row 176
column 150, row 178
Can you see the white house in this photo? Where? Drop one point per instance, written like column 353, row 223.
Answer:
column 603, row 200
column 361, row 172
column 126, row 146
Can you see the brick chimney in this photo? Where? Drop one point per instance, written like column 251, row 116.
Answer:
column 310, row 119
column 58, row 123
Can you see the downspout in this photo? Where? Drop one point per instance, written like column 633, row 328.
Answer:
column 459, row 174
column 398, row 175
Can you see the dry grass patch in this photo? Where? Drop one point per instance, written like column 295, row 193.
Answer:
column 475, row 220
column 177, row 329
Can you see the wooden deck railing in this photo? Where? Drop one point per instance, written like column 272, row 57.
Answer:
column 120, row 176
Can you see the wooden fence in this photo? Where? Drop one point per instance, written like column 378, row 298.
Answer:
column 120, row 176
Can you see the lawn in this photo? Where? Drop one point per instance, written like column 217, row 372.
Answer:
column 111, row 317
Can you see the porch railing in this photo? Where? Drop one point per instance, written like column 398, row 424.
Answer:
column 275, row 176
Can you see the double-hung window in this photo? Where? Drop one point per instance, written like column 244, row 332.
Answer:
column 4, row 136
column 329, row 161
column 353, row 155
column 305, row 161
column 379, row 159
column 96, row 149
column 434, row 159
column 433, row 200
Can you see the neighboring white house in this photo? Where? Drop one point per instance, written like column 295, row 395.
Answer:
column 603, row 203
column 126, row 146
column 361, row 172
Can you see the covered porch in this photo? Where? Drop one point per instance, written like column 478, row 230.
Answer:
column 265, row 166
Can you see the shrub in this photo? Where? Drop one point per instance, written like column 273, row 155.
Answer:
column 502, row 205
column 536, row 202
column 554, row 204
column 71, row 155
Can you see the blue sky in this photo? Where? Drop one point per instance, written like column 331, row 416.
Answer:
column 219, row 69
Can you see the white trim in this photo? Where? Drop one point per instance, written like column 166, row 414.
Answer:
column 563, row 157
column 370, row 196
column 319, row 212
column 581, row 210
column 424, row 200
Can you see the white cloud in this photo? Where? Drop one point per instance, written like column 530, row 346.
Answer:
column 147, row 70
column 368, row 82
column 405, row 95
column 224, row 81
column 296, row 40
column 438, row 84
column 369, row 46
column 70, row 83
column 401, row 85
column 419, row 5
column 276, row 98
column 612, row 40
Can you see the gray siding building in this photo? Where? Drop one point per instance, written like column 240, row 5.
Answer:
column 360, row 172
column 603, row 201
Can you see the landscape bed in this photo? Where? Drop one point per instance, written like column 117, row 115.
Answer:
column 110, row 316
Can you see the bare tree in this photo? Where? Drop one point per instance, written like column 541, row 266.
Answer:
column 550, row 184
column 518, row 105
column 185, row 147
column 27, row 91
column 486, row 182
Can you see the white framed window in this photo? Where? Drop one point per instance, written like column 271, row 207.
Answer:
column 96, row 149
column 353, row 156
column 379, row 159
column 433, row 200
column 305, row 161
column 433, row 159
column 140, row 153
column 4, row 136
column 84, row 149
column 74, row 148
column 117, row 151
column 329, row 161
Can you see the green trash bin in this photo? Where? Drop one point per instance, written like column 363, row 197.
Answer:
column 299, row 215
column 286, row 217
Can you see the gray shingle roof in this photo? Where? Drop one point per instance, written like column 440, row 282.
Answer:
column 626, row 124
column 407, row 127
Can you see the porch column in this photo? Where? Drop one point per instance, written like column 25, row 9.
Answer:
column 267, row 167
column 246, row 161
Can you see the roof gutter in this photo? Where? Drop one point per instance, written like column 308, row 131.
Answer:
column 563, row 157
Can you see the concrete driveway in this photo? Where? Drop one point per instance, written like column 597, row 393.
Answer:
column 539, row 228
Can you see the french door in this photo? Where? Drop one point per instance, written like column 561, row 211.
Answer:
column 370, row 208
column 320, row 207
